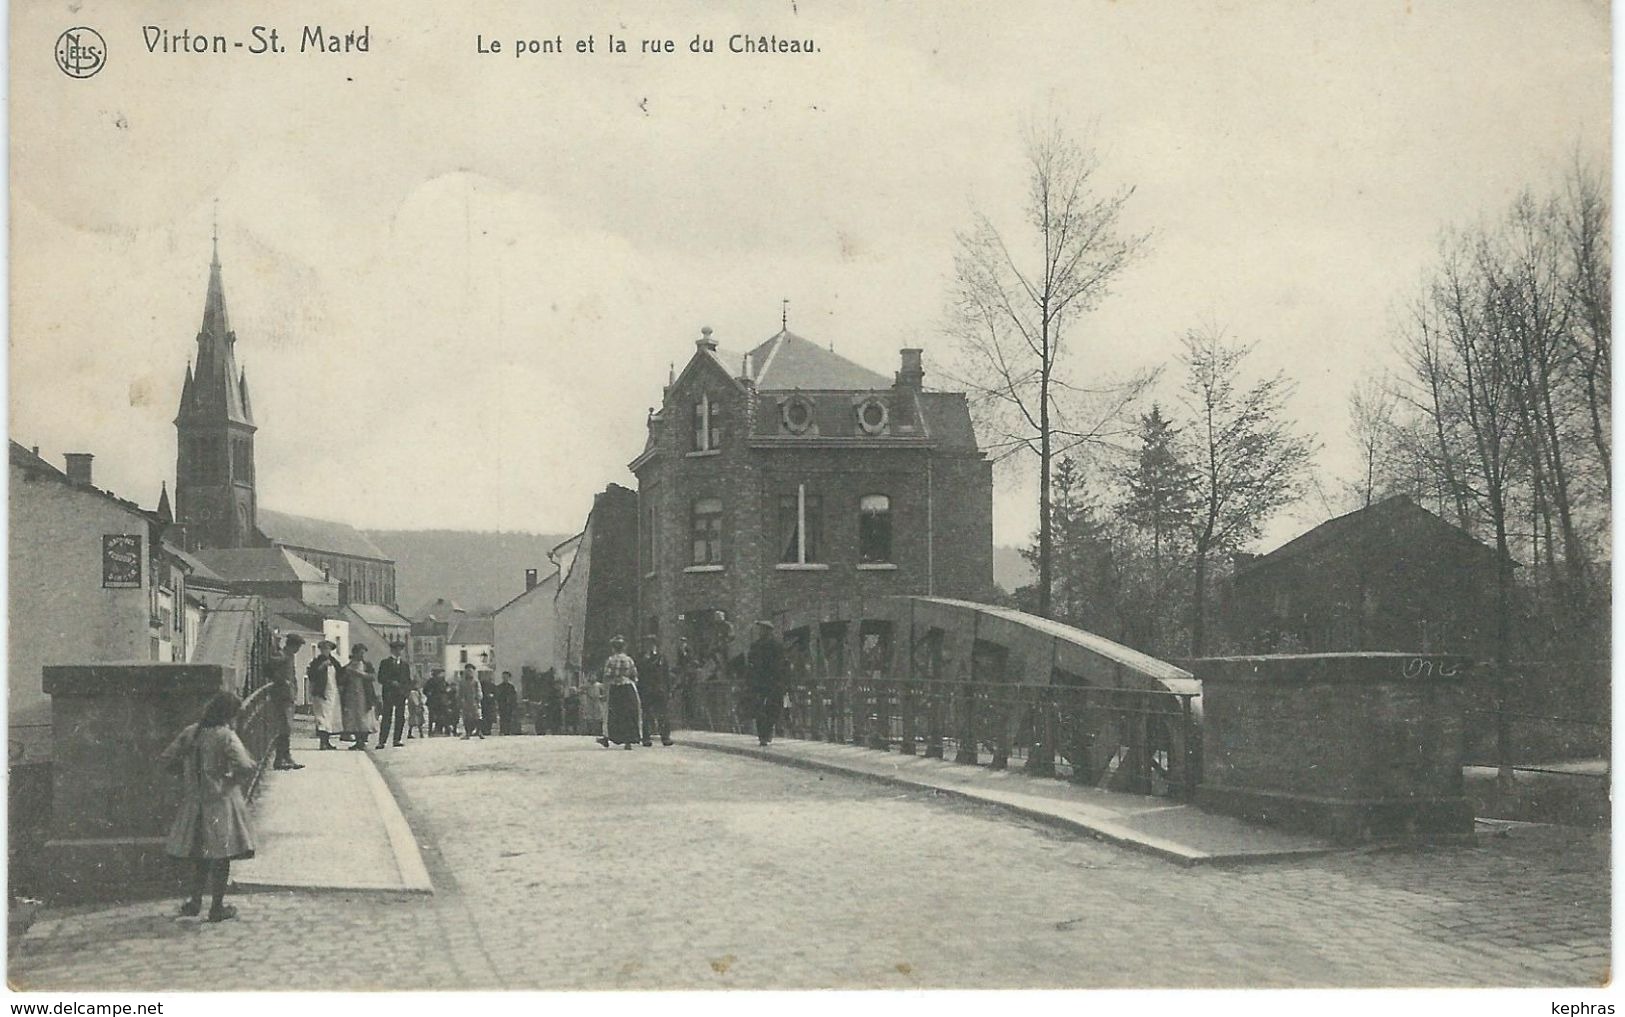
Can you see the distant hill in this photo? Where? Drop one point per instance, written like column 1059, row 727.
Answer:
column 480, row 571
column 1010, row 569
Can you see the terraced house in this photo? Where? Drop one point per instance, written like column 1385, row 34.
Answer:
column 791, row 475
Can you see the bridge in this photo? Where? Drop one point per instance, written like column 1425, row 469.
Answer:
column 548, row 863
column 961, row 680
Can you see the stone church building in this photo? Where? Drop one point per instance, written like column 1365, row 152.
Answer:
column 216, row 499
column 792, row 476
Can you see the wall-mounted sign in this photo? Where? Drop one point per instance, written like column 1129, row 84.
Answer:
column 121, row 560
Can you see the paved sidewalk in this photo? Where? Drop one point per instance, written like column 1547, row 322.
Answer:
column 332, row 826
column 1160, row 826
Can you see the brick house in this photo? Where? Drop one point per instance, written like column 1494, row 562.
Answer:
column 804, row 478
column 1390, row 576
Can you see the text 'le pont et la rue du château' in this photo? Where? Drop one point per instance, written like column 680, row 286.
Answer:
column 616, row 45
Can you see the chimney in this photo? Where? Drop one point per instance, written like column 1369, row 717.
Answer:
column 530, row 580
column 705, row 342
column 79, row 467
column 913, row 373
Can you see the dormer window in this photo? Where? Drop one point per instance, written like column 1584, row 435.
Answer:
column 796, row 413
column 707, row 425
column 872, row 416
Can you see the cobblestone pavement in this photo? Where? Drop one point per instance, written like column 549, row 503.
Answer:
column 559, row 865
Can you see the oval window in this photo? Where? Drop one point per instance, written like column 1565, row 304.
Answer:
column 872, row 416
column 797, row 415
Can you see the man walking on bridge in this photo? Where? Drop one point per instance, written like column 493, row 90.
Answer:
column 764, row 680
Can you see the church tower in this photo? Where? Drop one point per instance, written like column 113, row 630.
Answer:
column 214, row 463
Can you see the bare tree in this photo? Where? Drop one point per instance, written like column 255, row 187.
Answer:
column 1015, row 304
column 1249, row 462
column 1372, row 405
column 1586, row 222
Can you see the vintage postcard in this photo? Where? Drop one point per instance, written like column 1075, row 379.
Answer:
column 809, row 494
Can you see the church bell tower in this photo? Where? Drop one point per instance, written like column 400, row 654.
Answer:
column 214, row 462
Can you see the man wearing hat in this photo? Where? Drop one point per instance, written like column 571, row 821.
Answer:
column 395, row 677
column 765, row 680
column 654, row 690
column 280, row 668
column 322, row 680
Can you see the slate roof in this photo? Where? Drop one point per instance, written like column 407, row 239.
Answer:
column 216, row 388
column 378, row 614
column 298, row 610
column 440, row 609
column 788, row 361
column 1390, row 513
column 318, row 535
column 947, row 419
column 37, row 466
column 260, row 565
column 362, row 632
column 480, row 630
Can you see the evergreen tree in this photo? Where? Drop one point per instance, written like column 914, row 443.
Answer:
column 1161, row 486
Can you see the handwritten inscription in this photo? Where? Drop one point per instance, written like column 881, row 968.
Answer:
column 1426, row 667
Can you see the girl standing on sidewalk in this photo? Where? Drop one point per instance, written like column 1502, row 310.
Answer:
column 211, row 829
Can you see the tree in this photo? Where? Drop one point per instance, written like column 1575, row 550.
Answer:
column 1013, row 309
column 1371, row 425
column 1249, row 463
column 1088, row 572
column 1160, row 487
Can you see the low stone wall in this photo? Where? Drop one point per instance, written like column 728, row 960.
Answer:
column 1355, row 747
column 111, row 802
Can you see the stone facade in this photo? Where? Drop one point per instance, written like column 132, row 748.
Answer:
column 1355, row 747
column 112, row 803
column 62, row 608
column 789, row 470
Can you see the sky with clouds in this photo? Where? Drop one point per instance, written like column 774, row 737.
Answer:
column 458, row 279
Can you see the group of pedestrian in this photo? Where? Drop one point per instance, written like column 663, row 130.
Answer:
column 353, row 701
column 473, row 704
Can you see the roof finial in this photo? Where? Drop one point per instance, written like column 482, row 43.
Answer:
column 215, row 232
column 784, row 314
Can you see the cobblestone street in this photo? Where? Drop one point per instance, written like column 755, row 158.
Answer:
column 559, row 865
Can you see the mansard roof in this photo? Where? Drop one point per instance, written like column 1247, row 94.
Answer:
column 787, row 361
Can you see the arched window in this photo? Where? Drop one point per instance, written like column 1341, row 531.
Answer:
column 707, row 530
column 874, row 529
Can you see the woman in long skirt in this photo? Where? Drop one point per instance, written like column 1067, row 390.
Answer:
column 323, row 681
column 358, row 699
column 623, row 713
column 211, row 830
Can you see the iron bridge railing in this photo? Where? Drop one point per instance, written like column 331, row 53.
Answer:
column 1145, row 741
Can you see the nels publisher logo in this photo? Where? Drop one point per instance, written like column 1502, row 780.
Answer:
column 80, row 52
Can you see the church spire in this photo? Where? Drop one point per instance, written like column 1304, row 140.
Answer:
column 217, row 388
